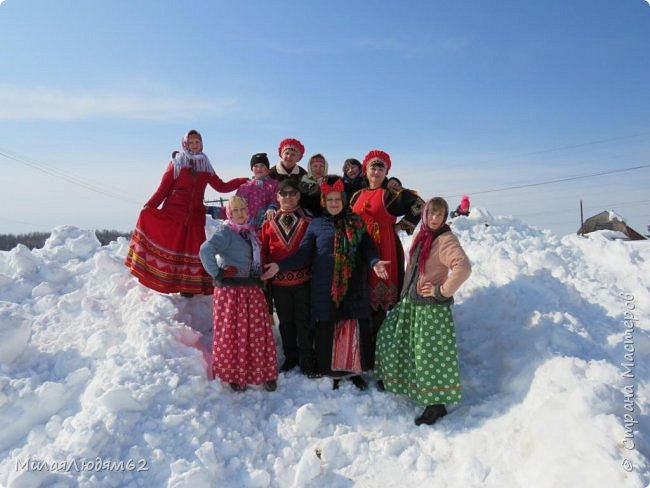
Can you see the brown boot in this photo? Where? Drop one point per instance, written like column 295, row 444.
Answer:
column 237, row 387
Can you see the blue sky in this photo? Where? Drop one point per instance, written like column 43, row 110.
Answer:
column 466, row 97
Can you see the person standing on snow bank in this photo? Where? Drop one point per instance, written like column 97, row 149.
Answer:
column 310, row 184
column 394, row 183
column 259, row 192
column 352, row 177
column 290, row 152
column 416, row 346
column 281, row 236
column 379, row 207
column 340, row 251
column 243, row 350
column 462, row 209
column 164, row 249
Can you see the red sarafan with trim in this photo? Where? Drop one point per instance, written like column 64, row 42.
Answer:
column 164, row 248
column 379, row 208
column 369, row 204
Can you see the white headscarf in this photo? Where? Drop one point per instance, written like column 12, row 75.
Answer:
column 186, row 158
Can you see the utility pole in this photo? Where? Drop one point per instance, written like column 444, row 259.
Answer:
column 582, row 221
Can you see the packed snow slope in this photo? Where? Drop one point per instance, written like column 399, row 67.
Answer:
column 103, row 382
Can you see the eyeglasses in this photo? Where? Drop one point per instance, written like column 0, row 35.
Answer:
column 291, row 193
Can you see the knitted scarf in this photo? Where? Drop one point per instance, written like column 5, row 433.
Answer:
column 196, row 161
column 425, row 238
column 348, row 232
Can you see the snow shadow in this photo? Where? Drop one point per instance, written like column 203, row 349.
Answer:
column 505, row 333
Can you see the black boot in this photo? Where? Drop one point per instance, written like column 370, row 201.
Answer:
column 380, row 385
column 431, row 414
column 335, row 384
column 288, row 365
column 187, row 295
column 309, row 369
column 359, row 382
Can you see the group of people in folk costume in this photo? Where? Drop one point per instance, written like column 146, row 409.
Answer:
column 323, row 250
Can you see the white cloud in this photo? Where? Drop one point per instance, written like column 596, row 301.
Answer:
column 43, row 103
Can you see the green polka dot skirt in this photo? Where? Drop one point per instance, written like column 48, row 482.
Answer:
column 416, row 353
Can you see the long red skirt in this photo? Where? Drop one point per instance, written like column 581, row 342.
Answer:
column 164, row 254
column 243, row 349
column 346, row 352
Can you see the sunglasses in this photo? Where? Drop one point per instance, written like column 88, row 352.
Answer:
column 291, row 193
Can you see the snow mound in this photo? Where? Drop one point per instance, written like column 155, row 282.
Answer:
column 105, row 383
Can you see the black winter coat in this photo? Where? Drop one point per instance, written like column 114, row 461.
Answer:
column 317, row 248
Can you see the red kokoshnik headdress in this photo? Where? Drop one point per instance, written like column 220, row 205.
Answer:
column 293, row 143
column 376, row 154
column 326, row 189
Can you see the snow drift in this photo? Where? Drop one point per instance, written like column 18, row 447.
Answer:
column 103, row 382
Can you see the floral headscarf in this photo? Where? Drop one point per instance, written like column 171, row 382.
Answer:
column 348, row 232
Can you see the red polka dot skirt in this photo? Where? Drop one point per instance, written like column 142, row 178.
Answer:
column 243, row 348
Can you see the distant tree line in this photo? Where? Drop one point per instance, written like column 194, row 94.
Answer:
column 37, row 239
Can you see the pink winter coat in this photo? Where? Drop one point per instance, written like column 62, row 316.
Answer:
column 447, row 265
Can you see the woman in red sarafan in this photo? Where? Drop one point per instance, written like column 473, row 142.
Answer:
column 379, row 207
column 164, row 249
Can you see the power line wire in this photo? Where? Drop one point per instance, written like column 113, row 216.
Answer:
column 22, row 222
column 69, row 178
column 557, row 180
column 92, row 187
column 561, row 148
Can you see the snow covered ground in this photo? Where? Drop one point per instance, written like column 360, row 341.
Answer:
column 103, row 382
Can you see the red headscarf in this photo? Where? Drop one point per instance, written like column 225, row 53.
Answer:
column 426, row 236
